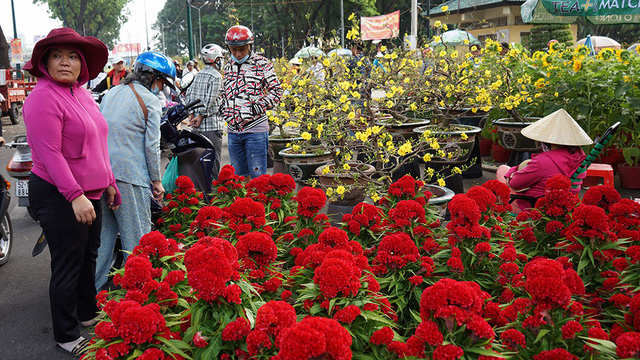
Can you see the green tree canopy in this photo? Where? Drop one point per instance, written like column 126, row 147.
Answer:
column 99, row 18
column 280, row 26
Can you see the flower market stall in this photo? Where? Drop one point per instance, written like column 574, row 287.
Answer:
column 260, row 273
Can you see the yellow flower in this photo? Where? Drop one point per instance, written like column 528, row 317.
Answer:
column 437, row 39
column 295, row 148
column 383, row 48
column 325, row 170
column 456, row 170
column 329, row 191
column 437, row 23
column 444, row 8
column 430, row 172
column 464, row 136
column 441, row 182
column 405, row 149
column 312, row 112
column 434, row 145
column 555, row 94
column 340, row 190
column 426, row 157
column 305, row 135
column 326, row 62
column 343, row 99
column 577, row 65
column 352, row 16
column 351, row 115
column 346, row 166
column 375, row 197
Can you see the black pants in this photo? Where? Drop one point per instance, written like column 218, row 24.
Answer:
column 74, row 249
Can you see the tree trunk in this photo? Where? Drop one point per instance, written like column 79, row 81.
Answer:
column 4, row 52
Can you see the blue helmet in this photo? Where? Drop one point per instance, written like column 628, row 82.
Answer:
column 157, row 64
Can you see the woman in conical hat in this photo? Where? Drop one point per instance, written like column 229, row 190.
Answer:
column 561, row 138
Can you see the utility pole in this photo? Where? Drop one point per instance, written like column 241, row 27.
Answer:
column 15, row 29
column 189, row 30
column 413, row 39
column 342, row 23
column 146, row 27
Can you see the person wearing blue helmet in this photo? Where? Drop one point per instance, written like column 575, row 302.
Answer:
column 133, row 112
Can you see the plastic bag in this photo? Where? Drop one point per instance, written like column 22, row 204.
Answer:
column 170, row 176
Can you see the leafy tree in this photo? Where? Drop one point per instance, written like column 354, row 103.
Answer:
column 541, row 34
column 99, row 18
column 623, row 33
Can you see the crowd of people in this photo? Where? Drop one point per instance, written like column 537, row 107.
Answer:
column 95, row 169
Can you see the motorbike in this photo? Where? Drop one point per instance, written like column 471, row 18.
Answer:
column 19, row 168
column 6, row 230
column 195, row 152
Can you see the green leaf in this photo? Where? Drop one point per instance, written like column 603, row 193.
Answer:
column 541, row 334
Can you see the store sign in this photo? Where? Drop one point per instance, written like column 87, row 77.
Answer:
column 592, row 7
column 16, row 50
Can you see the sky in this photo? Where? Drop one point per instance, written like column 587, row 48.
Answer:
column 33, row 20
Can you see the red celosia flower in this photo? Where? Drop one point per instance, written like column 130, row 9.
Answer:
column 628, row 345
column 310, row 201
column 236, row 330
column 135, row 323
column 448, row 352
column 455, row 263
column 602, row 196
column 513, row 338
column 257, row 246
column 258, row 340
column 363, row 216
column 502, row 193
column 484, row 197
column 245, row 211
column 448, row 292
column 282, row 183
column 347, row 314
column 383, row 336
column 395, row 251
column 332, row 236
column 211, row 263
column 336, row 276
column 275, row 316
column 555, row 354
column 430, row 333
column 416, row 280
column 570, row 329
column 315, row 337
column 151, row 354
column 200, row 341
column 407, row 212
column 482, row 247
column 399, row 348
column 137, row 272
column 184, row 182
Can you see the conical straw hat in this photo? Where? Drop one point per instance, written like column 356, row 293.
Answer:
column 558, row 128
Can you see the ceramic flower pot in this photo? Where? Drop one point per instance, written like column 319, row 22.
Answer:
column 500, row 154
column 277, row 143
column 457, row 143
column 509, row 132
column 485, row 146
column 629, row 176
column 303, row 166
column 440, row 199
column 612, row 157
column 331, row 179
column 402, row 131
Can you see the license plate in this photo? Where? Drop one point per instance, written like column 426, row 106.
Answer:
column 22, row 188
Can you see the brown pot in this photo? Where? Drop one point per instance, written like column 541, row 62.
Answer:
column 500, row 154
column 352, row 197
column 485, row 147
column 612, row 157
column 629, row 176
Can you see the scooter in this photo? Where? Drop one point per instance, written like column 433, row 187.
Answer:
column 195, row 152
column 6, row 230
column 19, row 168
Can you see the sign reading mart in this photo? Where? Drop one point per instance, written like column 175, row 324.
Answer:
column 592, row 7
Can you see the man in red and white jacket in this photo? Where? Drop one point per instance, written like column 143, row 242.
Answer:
column 250, row 88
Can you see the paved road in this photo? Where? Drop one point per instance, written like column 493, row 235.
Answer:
column 25, row 318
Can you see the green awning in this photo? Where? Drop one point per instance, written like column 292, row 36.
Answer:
column 567, row 11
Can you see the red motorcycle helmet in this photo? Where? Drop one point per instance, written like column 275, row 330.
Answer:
column 238, row 36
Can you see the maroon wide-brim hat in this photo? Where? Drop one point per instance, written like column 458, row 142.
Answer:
column 94, row 51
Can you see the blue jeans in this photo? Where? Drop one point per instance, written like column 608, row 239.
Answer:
column 248, row 153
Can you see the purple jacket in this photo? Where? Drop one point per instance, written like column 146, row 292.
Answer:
column 68, row 138
column 542, row 167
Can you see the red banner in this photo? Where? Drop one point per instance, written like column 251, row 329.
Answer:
column 128, row 49
column 16, row 50
column 380, row 27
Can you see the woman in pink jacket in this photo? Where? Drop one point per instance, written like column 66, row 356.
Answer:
column 71, row 170
column 561, row 138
